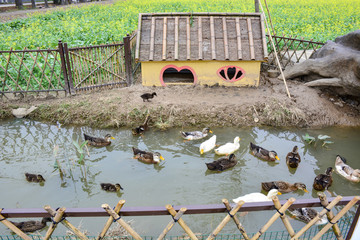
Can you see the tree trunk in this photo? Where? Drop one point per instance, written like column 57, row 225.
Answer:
column 33, row 4
column 46, row 4
column 19, row 4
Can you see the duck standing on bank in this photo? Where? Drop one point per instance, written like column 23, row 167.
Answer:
column 228, row 148
column 98, row 142
column 323, row 181
column 222, row 163
column 262, row 153
column 147, row 96
column 346, row 171
column 293, row 158
column 195, row 135
column 142, row 128
column 283, row 187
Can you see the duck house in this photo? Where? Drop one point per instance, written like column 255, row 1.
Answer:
column 224, row 49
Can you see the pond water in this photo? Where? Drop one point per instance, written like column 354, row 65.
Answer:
column 182, row 179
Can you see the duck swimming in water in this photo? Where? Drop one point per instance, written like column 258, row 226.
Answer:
column 111, row 187
column 323, row 181
column 195, row 135
column 222, row 163
column 98, row 142
column 293, row 158
column 262, row 153
column 34, row 177
column 32, row 226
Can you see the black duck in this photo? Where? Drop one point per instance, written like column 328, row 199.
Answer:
column 111, row 187
column 147, row 96
column 34, row 177
column 222, row 163
column 283, row 187
column 32, row 226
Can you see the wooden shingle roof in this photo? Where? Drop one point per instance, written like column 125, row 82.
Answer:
column 201, row 36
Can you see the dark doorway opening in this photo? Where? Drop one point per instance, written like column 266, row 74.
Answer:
column 172, row 75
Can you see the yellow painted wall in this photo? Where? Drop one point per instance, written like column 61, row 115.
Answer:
column 206, row 72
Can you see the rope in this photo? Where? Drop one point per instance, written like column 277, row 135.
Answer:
column 175, row 220
column 115, row 220
column 334, row 222
column 55, row 223
column 232, row 216
column 3, row 219
column 281, row 214
column 325, row 207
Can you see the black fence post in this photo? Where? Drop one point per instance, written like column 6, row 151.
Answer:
column 63, row 67
column 127, row 53
column 69, row 73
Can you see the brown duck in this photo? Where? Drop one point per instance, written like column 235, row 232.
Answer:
column 283, row 187
column 323, row 181
column 222, row 163
column 147, row 96
column 263, row 153
column 293, row 158
column 147, row 157
column 142, row 128
column 32, row 226
column 98, row 142
column 111, row 187
column 34, row 177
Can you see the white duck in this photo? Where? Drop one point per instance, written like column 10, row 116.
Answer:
column 228, row 148
column 208, row 145
column 195, row 135
column 258, row 197
column 346, row 171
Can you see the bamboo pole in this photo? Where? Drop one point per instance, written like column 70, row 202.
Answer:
column 176, row 53
column 164, row 39
column 212, row 36
column 263, row 36
column 276, row 56
column 273, row 218
column 267, row 8
column 121, row 222
column 238, row 37
column 284, row 219
column 317, row 218
column 337, row 217
column 330, row 215
column 251, row 39
column 181, row 222
column 236, row 220
column 200, row 38
column 119, row 205
column 66, row 223
column 13, row 228
column 225, row 220
column 58, row 216
column 171, row 224
column 226, row 44
column 137, row 50
column 188, row 48
column 152, row 39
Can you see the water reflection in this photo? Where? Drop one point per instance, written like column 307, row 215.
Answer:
column 181, row 179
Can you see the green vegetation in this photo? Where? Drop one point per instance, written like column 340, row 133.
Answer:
column 320, row 138
column 320, row 20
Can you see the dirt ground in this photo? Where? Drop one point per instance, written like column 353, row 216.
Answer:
column 198, row 106
column 189, row 105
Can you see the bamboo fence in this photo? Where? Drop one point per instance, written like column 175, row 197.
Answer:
column 115, row 215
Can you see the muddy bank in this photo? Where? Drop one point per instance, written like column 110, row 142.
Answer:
column 198, row 106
